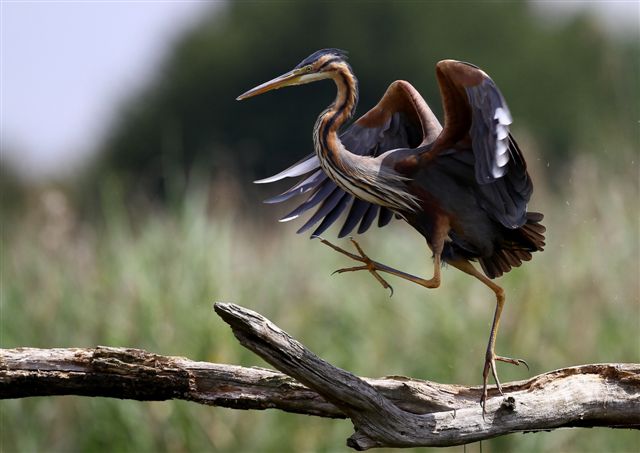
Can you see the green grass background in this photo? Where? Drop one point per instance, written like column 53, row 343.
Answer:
column 151, row 284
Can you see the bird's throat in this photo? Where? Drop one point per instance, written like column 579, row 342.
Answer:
column 327, row 141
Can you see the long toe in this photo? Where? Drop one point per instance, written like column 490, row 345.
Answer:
column 350, row 269
column 341, row 250
column 516, row 362
column 382, row 281
column 372, row 270
column 484, row 396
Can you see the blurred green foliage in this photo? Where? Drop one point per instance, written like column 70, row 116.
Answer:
column 12, row 192
column 570, row 87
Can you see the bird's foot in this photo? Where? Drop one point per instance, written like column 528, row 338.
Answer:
column 490, row 365
column 369, row 265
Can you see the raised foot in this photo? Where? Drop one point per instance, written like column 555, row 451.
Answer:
column 490, row 364
column 369, row 265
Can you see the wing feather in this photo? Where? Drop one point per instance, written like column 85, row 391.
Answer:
column 357, row 211
column 333, row 215
column 325, row 208
column 368, row 218
column 302, row 187
column 385, row 217
column 489, row 130
column 301, row 167
column 324, row 190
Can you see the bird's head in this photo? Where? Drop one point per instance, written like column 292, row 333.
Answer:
column 323, row 64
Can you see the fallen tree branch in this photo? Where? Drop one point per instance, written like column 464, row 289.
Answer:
column 393, row 411
column 136, row 374
column 590, row 395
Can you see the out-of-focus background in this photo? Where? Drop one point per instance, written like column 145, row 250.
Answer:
column 127, row 206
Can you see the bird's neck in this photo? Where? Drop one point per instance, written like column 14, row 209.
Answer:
column 344, row 106
column 327, row 141
column 361, row 175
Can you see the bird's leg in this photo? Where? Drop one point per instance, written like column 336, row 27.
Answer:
column 374, row 267
column 490, row 356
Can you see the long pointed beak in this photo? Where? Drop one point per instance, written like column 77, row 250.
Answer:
column 289, row 78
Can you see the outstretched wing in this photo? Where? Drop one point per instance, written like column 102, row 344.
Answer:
column 477, row 117
column 401, row 119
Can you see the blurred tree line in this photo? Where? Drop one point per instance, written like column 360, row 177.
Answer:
column 571, row 88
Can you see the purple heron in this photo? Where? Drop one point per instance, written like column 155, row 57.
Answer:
column 464, row 186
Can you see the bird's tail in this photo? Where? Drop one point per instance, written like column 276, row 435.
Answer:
column 516, row 247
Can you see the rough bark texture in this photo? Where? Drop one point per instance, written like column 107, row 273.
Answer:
column 390, row 412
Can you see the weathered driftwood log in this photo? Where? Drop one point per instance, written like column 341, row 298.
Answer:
column 590, row 395
column 393, row 411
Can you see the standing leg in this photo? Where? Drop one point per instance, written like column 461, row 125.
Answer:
column 490, row 357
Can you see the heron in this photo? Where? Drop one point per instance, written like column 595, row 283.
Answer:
column 463, row 186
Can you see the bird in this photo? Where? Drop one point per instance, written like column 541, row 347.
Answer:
column 464, row 185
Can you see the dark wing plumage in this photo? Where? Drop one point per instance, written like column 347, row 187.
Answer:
column 476, row 113
column 401, row 119
column 489, row 131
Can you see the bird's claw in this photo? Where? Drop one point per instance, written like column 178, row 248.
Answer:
column 490, row 365
column 350, row 269
column 369, row 264
column 373, row 272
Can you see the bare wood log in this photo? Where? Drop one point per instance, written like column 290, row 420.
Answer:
column 128, row 373
column 393, row 411
column 591, row 395
column 136, row 374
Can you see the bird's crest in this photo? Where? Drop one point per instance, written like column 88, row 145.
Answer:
column 316, row 55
